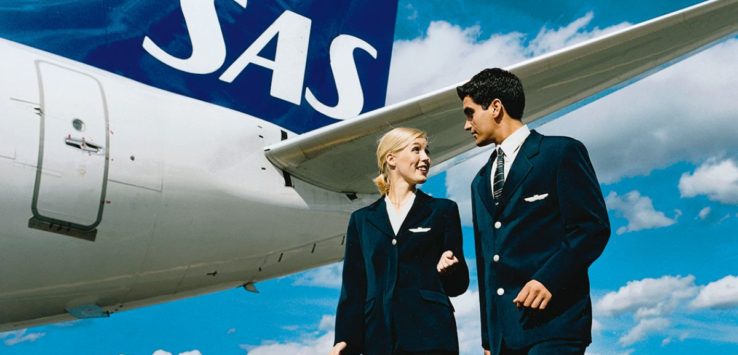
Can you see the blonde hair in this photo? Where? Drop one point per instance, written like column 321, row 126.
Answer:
column 392, row 142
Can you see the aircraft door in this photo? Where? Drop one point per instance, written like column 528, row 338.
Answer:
column 72, row 169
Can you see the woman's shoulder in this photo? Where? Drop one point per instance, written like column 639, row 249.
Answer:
column 438, row 202
column 361, row 212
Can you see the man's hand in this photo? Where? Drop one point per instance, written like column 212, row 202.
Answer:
column 447, row 260
column 533, row 295
column 338, row 348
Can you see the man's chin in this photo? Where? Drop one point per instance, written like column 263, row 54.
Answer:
column 481, row 142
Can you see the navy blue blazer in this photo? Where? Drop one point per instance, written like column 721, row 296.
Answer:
column 549, row 225
column 392, row 296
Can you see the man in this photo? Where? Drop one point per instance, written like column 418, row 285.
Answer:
column 539, row 222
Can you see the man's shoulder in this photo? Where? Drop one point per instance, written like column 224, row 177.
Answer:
column 559, row 140
column 560, row 144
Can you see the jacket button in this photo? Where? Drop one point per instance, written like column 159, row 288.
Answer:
column 498, row 224
column 500, row 292
column 496, row 258
column 394, row 241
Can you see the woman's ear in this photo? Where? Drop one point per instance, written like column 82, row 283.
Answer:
column 390, row 161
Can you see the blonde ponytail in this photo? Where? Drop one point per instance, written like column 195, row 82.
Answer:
column 382, row 184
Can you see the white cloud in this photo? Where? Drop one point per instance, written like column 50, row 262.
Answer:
column 669, row 307
column 327, row 322
column 442, row 51
column 468, row 322
column 164, row 352
column 638, row 210
column 20, row 336
column 722, row 293
column 643, row 329
column 325, row 276
column 650, row 297
column 451, row 54
column 596, row 326
column 317, row 342
column 711, row 331
column 651, row 124
column 552, row 39
column 704, row 213
column 718, row 180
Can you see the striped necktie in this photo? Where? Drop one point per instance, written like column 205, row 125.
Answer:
column 499, row 174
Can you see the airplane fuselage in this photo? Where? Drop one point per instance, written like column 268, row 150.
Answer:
column 116, row 195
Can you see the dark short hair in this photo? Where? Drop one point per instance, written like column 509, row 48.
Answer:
column 495, row 83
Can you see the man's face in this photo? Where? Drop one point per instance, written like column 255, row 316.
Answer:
column 480, row 122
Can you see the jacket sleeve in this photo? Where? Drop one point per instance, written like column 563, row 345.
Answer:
column 586, row 224
column 350, row 312
column 456, row 280
column 482, row 295
column 480, row 276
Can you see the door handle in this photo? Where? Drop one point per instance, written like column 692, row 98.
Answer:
column 81, row 144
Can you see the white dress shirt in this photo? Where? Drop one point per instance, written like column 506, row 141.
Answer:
column 397, row 217
column 510, row 146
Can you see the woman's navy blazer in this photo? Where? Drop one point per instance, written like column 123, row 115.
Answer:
column 392, row 296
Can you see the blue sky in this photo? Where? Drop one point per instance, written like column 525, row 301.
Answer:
column 664, row 150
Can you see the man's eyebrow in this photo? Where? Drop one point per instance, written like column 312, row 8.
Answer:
column 468, row 111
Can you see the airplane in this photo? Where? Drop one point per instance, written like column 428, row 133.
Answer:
column 158, row 150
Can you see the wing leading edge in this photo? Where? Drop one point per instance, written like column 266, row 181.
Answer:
column 339, row 157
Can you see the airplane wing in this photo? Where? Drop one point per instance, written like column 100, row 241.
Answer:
column 340, row 157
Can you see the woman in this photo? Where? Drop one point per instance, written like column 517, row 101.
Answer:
column 403, row 259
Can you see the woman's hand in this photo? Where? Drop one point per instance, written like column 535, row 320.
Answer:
column 447, row 260
column 338, row 348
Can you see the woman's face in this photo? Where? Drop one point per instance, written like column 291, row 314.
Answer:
column 412, row 163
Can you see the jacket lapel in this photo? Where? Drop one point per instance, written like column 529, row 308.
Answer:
column 521, row 166
column 484, row 184
column 419, row 211
column 379, row 219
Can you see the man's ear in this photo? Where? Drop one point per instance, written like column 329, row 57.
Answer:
column 497, row 110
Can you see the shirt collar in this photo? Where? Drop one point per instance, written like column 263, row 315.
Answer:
column 512, row 143
column 404, row 206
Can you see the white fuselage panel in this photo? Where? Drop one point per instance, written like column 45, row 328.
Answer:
column 189, row 203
